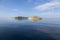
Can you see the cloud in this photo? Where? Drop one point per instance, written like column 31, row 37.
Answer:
column 49, row 5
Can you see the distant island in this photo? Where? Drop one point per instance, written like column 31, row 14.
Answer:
column 33, row 18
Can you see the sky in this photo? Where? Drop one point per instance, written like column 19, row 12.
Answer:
column 27, row 8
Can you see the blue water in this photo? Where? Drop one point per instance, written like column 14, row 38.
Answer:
column 27, row 30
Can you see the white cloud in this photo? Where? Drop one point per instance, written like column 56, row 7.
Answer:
column 49, row 5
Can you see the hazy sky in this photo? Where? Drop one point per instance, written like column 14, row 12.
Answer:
column 43, row 8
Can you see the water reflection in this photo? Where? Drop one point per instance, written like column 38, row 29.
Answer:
column 27, row 30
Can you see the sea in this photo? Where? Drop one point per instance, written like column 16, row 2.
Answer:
column 46, row 29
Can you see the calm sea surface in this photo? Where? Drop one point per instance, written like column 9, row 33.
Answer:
column 27, row 30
